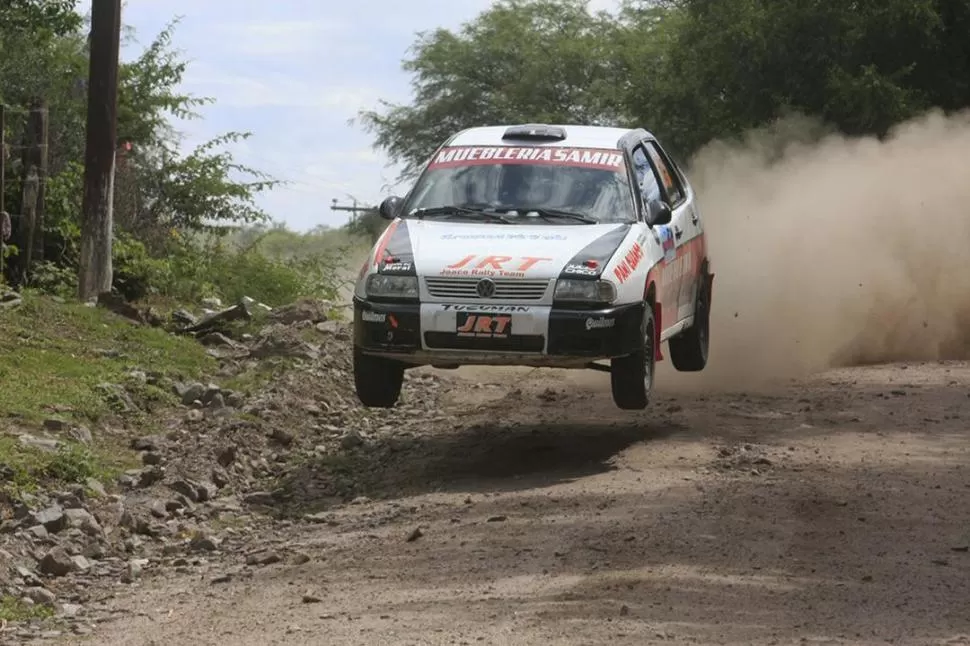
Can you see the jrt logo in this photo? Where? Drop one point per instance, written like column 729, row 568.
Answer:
column 487, row 325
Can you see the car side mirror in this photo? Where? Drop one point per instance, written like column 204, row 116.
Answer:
column 390, row 207
column 658, row 213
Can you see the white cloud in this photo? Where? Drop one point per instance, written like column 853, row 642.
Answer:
column 281, row 38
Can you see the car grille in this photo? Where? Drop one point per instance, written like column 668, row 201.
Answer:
column 506, row 289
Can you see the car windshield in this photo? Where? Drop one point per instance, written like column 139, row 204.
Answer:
column 525, row 184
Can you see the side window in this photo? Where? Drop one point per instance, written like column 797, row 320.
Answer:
column 646, row 178
column 667, row 175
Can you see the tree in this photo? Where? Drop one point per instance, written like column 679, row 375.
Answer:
column 521, row 60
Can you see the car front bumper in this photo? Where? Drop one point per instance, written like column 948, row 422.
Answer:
column 499, row 334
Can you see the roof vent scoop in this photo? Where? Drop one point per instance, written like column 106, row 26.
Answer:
column 535, row 132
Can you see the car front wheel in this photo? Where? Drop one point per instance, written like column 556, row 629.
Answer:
column 631, row 377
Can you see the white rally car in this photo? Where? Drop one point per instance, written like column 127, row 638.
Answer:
column 537, row 245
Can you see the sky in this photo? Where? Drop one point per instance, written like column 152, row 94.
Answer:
column 294, row 72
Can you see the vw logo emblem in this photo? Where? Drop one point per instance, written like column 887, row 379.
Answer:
column 485, row 288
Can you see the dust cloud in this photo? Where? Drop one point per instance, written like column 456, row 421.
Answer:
column 831, row 251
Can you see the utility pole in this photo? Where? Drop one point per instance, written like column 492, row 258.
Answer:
column 352, row 208
column 95, row 272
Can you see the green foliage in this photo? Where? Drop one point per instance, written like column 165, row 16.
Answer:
column 14, row 609
column 689, row 70
column 521, row 60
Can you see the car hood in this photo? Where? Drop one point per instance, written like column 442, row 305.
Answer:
column 514, row 251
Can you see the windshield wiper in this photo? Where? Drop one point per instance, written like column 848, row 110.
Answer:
column 434, row 211
column 558, row 213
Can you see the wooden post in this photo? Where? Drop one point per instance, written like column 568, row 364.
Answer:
column 35, row 182
column 4, row 218
column 95, row 271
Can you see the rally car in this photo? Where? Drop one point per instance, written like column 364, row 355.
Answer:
column 537, row 245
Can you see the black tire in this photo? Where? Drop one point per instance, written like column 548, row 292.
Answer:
column 631, row 377
column 377, row 380
column 689, row 349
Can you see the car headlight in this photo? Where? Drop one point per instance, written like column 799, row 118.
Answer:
column 392, row 286
column 587, row 291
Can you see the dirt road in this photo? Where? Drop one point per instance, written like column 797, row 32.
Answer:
column 831, row 511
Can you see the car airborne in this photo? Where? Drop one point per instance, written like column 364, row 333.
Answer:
column 537, row 245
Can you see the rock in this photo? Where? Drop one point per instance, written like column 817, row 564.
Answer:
column 83, row 520
column 313, row 311
column 300, row 558
column 265, row 558
column 96, row 487
column 43, row 443
column 151, row 475
column 52, row 518
column 351, row 440
column 191, row 393
column 151, row 459
column 41, row 596
column 212, row 303
column 217, row 339
column 70, row 610
column 117, row 397
column 188, row 489
column 81, row 434
column 150, row 443
column 311, row 598
column 235, row 400
column 282, row 436
column 133, row 570
column 140, row 377
column 203, row 543
column 183, row 317
column 81, row 563
column 415, row 534
column 55, row 425
column 260, row 499
column 220, row 478
column 57, row 562
column 216, row 402
column 227, row 455
column 237, row 312
column 194, row 415
column 38, row 531
column 498, row 519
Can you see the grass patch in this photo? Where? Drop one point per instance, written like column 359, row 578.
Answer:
column 13, row 609
column 54, row 356
column 25, row 468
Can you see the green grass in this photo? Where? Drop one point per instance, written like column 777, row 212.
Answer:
column 27, row 468
column 13, row 609
column 53, row 357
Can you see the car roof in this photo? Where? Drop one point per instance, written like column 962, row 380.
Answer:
column 576, row 136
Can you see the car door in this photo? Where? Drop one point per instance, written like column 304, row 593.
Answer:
column 679, row 257
column 651, row 192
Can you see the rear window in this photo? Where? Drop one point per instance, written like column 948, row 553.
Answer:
column 590, row 181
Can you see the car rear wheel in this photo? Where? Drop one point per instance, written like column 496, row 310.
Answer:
column 631, row 377
column 689, row 349
column 377, row 380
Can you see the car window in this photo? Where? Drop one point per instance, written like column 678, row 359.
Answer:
column 646, row 177
column 672, row 187
column 591, row 182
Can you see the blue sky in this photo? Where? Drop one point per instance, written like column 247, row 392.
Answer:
column 293, row 72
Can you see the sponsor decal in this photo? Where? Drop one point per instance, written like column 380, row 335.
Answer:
column 580, row 270
column 601, row 323
column 495, row 326
column 372, row 317
column 493, row 266
column 678, row 268
column 667, row 243
column 503, row 236
column 481, row 309
column 396, row 267
column 600, row 158
column 629, row 263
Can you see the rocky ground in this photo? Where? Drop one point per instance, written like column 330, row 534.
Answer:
column 511, row 507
